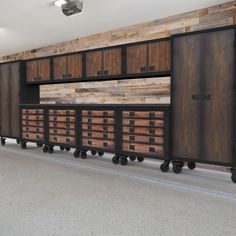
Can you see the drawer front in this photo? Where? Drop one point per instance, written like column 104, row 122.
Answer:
column 143, row 139
column 143, row 114
column 32, row 111
column 106, row 113
column 32, row 129
column 62, row 125
column 143, row 122
column 62, row 112
column 33, row 117
column 33, row 123
column 108, row 145
column 89, row 120
column 33, row 136
column 99, row 135
column 143, row 148
column 62, row 132
column 62, row 139
column 144, row 131
column 99, row 128
column 62, row 118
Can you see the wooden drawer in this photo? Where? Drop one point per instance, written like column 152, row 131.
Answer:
column 33, row 117
column 62, row 112
column 99, row 128
column 33, row 111
column 143, row 148
column 145, row 131
column 62, row 132
column 99, row 135
column 32, row 136
column 88, row 120
column 96, row 143
column 143, row 139
column 33, row 123
column 143, row 122
column 32, row 129
column 62, row 139
column 61, row 125
column 105, row 113
column 143, row 114
column 62, row 118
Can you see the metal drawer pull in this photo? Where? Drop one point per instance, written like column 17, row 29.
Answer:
column 152, row 123
column 89, row 134
column 132, row 147
column 132, row 122
column 195, row 97
column 68, row 126
column 207, row 97
column 106, row 72
column 67, row 113
column 55, row 138
column 105, row 135
column 89, row 127
column 68, row 140
column 152, row 140
column 105, row 113
column 152, row 68
column 131, row 130
column 68, row 132
column 105, row 144
column 37, row 136
column 132, row 114
column 37, row 130
column 55, row 118
column 99, row 72
column 143, row 69
column 151, row 149
column 90, row 142
column 89, row 113
column 152, row 131
column 89, row 120
column 132, row 138
column 55, row 131
column 105, row 128
column 105, row 121
column 152, row 115
column 67, row 119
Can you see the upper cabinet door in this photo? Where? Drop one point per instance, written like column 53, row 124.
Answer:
column 94, row 64
column 159, row 56
column 32, row 70
column 74, row 66
column 44, row 70
column 60, row 67
column 112, row 62
column 137, row 59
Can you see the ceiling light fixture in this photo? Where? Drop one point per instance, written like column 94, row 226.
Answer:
column 59, row 3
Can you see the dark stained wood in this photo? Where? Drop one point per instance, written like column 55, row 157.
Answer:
column 96, row 143
column 32, row 70
column 44, row 71
column 60, row 67
column 74, row 66
column 94, row 64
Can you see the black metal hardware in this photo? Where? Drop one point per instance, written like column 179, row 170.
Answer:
column 195, row 97
column 152, row 140
column 207, row 97
column 151, row 149
column 143, row 69
column 132, row 138
column 152, row 123
column 99, row 72
column 106, row 72
column 152, row 68
column 132, row 122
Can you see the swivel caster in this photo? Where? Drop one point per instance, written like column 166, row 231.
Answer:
column 68, row 149
column 177, row 167
column 45, row 148
column 50, row 150
column 100, row 154
column 181, row 164
column 191, row 165
column 62, row 148
column 123, row 161
column 140, row 159
column 93, row 152
column 165, row 166
column 132, row 158
column 83, row 155
column 76, row 153
column 23, row 145
column 233, row 176
column 116, row 159
column 18, row 141
column 3, row 141
column 39, row 145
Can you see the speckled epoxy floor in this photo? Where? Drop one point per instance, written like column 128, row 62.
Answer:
column 43, row 194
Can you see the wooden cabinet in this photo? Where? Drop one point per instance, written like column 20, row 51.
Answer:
column 38, row 70
column 203, row 96
column 103, row 63
column 148, row 57
column 67, row 67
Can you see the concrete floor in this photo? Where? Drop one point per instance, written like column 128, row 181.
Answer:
column 43, row 194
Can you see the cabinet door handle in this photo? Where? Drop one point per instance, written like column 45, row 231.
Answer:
column 106, row 72
column 64, row 76
column 99, row 72
column 195, row 97
column 69, row 75
column 207, row 97
column 152, row 68
column 143, row 69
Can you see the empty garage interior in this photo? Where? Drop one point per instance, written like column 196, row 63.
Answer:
column 117, row 117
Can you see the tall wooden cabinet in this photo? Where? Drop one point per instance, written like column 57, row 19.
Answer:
column 203, row 97
column 13, row 91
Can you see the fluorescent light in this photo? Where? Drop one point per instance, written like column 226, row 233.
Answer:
column 59, row 3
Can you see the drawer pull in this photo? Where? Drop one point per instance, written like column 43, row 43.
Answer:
column 90, row 142
column 151, row 149
column 132, row 114
column 27, row 135
column 67, row 126
column 90, row 127
column 143, row 69
column 37, row 137
column 68, row 132
column 67, row 113
column 55, row 131
column 152, row 131
column 131, row 130
column 132, row 138
column 90, row 120
column 37, row 112
column 105, row 113
column 195, row 97
column 207, row 97
column 55, row 124
column 152, row 115
column 152, row 140
column 55, row 112
column 152, row 68
column 37, row 117
column 27, row 122
column 68, row 140
column 105, row 144
column 132, row 122
column 105, row 128
column 27, row 117
column 37, row 130
column 105, row 121
column 55, row 138
column 67, row 119
column 55, row 118
column 89, row 113
column 27, row 128
column 105, row 135
column 152, row 123
column 37, row 123
column 106, row 72
column 89, row 134
column 70, row 75
column 132, row 147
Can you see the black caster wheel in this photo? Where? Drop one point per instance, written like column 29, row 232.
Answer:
column 191, row 165
column 165, row 167
column 50, row 150
column 83, row 155
column 3, row 142
column 76, row 153
column 93, row 152
column 181, row 164
column 23, row 145
column 132, row 158
column 68, row 149
column 177, row 168
column 45, row 149
column 123, row 161
column 100, row 154
column 140, row 159
column 62, row 148
column 39, row 145
column 18, row 141
column 116, row 160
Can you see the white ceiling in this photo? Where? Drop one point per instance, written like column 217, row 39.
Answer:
column 29, row 24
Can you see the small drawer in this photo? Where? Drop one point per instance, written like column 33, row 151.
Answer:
column 99, row 135
column 143, row 139
column 62, row 139
column 143, row 131
column 62, row 118
column 144, row 114
column 143, row 122
column 32, row 111
column 33, row 117
column 98, row 128
column 56, row 125
column 32, row 136
column 33, row 123
column 96, row 143
column 32, row 129
column 91, row 120
column 96, row 113
column 62, row 112
column 62, row 132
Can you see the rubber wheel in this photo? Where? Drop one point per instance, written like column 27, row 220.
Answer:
column 76, row 153
column 18, row 141
column 3, row 142
column 93, row 152
column 116, row 160
column 62, row 148
column 100, row 154
column 181, row 164
column 50, row 150
column 68, row 149
column 191, row 165
column 177, row 168
column 140, row 159
column 39, row 145
column 45, row 149
column 132, row 158
column 165, row 167
column 123, row 161
column 23, row 145
column 83, row 155
column 233, row 177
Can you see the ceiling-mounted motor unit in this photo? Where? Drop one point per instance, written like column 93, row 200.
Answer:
column 72, row 7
